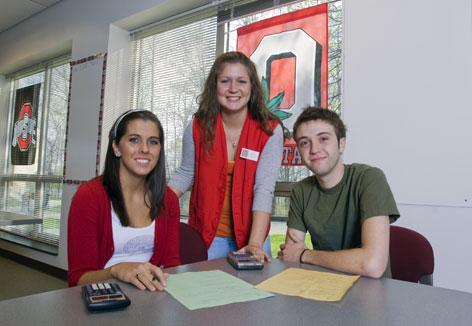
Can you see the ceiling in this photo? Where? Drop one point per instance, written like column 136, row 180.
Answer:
column 13, row 12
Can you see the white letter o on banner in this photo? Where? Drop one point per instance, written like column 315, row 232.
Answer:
column 307, row 68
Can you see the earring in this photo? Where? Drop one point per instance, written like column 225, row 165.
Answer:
column 117, row 154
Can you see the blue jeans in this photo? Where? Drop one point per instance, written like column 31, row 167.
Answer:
column 221, row 246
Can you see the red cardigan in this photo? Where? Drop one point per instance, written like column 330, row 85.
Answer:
column 90, row 239
column 209, row 186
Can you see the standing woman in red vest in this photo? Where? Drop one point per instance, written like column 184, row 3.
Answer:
column 232, row 153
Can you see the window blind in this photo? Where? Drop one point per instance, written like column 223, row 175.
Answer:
column 36, row 189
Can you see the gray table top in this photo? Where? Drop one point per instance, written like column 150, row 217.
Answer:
column 368, row 302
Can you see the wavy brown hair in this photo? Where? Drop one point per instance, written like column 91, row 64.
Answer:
column 208, row 102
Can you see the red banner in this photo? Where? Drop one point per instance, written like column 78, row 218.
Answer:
column 291, row 55
column 23, row 144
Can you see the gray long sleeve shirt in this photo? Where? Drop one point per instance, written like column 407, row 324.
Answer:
column 266, row 174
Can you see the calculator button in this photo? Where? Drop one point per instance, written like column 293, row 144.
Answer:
column 94, row 287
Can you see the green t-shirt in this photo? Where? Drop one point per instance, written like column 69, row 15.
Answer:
column 333, row 217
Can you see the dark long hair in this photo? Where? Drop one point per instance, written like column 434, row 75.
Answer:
column 155, row 180
column 209, row 106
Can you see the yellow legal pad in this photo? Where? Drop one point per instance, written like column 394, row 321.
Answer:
column 309, row 284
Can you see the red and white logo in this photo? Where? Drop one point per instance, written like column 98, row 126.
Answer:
column 24, row 132
column 290, row 52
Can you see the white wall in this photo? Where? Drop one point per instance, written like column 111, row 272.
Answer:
column 406, row 62
column 80, row 24
column 407, row 98
column 118, row 79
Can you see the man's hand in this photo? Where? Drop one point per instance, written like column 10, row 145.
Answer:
column 291, row 251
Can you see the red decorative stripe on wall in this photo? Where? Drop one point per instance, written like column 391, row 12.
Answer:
column 89, row 58
column 67, row 122
column 100, row 115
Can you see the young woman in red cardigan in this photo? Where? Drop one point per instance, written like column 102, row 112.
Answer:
column 125, row 223
column 231, row 153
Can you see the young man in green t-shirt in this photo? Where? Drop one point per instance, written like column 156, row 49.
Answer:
column 346, row 208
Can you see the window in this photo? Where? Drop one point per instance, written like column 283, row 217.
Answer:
column 170, row 69
column 35, row 189
column 173, row 59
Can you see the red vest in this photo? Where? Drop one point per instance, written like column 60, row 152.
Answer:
column 208, row 191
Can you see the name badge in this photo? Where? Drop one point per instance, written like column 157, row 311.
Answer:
column 249, row 154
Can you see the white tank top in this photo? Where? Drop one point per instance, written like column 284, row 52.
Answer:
column 131, row 244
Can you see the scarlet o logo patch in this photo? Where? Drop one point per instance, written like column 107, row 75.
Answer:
column 25, row 119
column 23, row 138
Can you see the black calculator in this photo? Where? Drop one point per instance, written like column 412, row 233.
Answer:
column 104, row 296
column 244, row 261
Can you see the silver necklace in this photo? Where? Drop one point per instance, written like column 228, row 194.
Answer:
column 233, row 139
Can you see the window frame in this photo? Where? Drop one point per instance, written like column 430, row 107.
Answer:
column 33, row 235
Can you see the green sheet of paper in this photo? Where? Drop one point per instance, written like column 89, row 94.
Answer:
column 196, row 290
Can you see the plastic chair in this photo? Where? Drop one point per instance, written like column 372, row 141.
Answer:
column 192, row 247
column 411, row 256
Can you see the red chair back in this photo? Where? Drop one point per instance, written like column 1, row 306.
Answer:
column 411, row 256
column 192, row 247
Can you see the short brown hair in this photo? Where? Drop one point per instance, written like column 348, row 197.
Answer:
column 314, row 113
